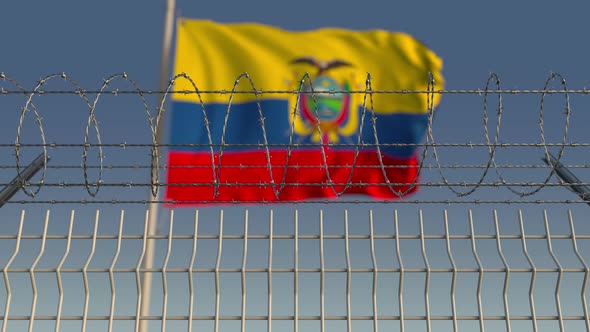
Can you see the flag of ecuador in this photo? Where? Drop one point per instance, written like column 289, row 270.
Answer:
column 275, row 115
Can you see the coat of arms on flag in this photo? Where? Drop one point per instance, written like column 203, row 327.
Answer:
column 324, row 103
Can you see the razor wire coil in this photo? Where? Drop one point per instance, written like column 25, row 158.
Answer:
column 91, row 99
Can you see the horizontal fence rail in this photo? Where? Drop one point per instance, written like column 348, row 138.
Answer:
column 483, row 172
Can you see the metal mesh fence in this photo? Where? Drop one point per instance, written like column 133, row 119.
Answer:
column 330, row 271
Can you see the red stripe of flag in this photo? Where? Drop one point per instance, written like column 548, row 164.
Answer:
column 245, row 176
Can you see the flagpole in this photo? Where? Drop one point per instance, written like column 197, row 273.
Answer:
column 153, row 205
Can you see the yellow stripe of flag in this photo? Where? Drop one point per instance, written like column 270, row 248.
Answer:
column 214, row 55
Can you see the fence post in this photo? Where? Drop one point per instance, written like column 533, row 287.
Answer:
column 153, row 205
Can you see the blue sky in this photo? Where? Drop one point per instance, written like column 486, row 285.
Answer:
column 96, row 39
column 521, row 41
column 90, row 42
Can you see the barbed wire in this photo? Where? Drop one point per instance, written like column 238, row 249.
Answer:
column 216, row 150
column 172, row 202
column 428, row 166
